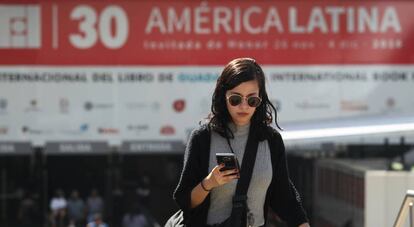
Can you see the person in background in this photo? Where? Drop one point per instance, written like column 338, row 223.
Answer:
column 58, row 202
column 61, row 219
column 29, row 212
column 94, row 205
column 97, row 221
column 135, row 217
column 76, row 209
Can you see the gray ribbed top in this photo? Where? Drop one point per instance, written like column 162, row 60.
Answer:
column 221, row 197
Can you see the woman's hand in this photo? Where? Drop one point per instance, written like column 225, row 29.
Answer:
column 217, row 177
column 304, row 225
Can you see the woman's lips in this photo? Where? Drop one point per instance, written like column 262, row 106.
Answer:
column 242, row 114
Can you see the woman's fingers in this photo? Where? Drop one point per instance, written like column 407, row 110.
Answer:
column 228, row 172
column 217, row 168
column 223, row 177
column 217, row 177
column 228, row 179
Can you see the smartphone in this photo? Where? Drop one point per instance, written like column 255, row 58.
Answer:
column 229, row 160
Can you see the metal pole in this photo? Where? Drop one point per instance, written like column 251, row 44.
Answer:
column 411, row 214
column 45, row 186
column 402, row 152
column 109, row 188
column 4, row 194
column 45, row 197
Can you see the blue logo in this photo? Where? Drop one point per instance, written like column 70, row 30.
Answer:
column 84, row 127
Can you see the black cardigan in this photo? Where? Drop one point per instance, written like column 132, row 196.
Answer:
column 281, row 195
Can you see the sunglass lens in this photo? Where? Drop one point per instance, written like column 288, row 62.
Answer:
column 235, row 100
column 253, row 101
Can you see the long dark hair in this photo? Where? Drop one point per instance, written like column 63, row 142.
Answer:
column 236, row 72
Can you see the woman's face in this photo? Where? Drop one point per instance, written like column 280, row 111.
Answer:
column 242, row 113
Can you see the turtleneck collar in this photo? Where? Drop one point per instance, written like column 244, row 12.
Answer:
column 239, row 130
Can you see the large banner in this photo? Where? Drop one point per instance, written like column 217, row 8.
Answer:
column 140, row 74
column 206, row 33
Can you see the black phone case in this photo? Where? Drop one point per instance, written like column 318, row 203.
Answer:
column 230, row 162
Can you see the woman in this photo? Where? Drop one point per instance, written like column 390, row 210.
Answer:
column 205, row 193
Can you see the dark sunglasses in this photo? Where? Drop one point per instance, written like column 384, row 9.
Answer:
column 252, row 101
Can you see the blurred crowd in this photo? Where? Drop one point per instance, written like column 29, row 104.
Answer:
column 75, row 211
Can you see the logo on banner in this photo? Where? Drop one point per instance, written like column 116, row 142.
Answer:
column 108, row 131
column 179, row 105
column 20, row 26
column 390, row 103
column 3, row 130
column 138, row 128
column 64, row 105
column 3, row 106
column 82, row 129
column 33, row 106
column 167, row 130
column 35, row 131
column 307, row 105
column 154, row 106
column 353, row 106
column 89, row 106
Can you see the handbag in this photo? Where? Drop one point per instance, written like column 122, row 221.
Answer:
column 238, row 217
column 176, row 220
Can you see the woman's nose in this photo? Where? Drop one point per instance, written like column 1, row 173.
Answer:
column 244, row 104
